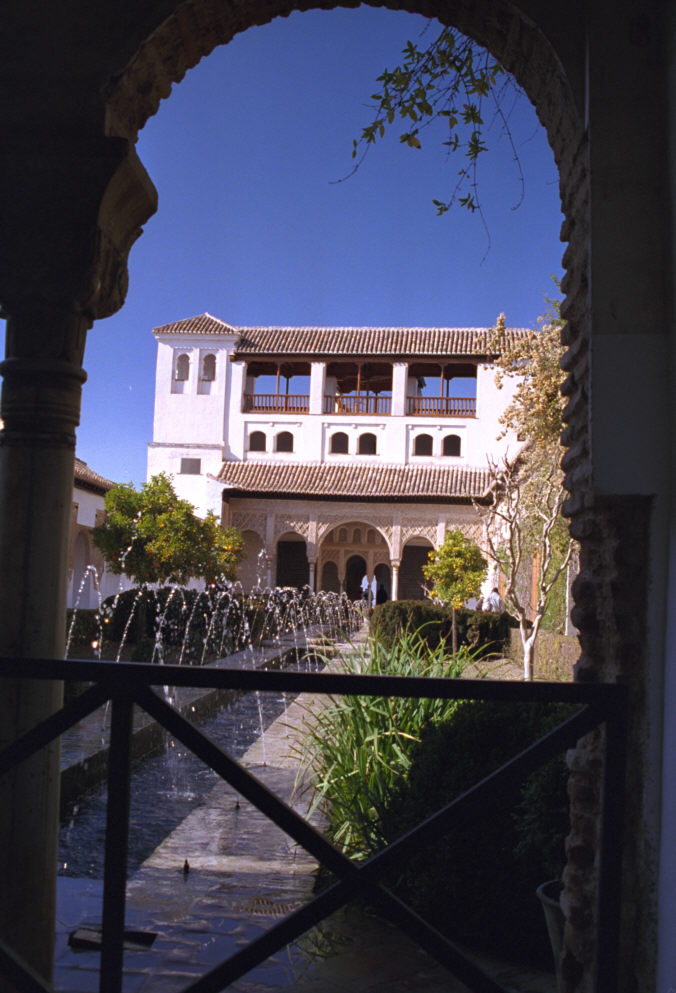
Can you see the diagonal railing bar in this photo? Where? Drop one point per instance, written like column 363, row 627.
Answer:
column 330, row 900
column 488, row 790
column 54, row 725
column 510, row 774
column 354, row 879
column 245, row 783
column 117, row 832
column 605, row 703
column 20, row 972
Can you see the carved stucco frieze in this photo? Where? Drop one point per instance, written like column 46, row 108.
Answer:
column 250, row 521
column 410, row 530
column 284, row 523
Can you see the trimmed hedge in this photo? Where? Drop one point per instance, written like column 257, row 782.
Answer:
column 486, row 633
column 477, row 884
column 87, row 625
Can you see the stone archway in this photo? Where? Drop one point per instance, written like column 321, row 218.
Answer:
column 55, row 285
column 355, row 570
column 293, row 568
column 411, row 579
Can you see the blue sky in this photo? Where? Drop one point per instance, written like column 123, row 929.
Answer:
column 253, row 227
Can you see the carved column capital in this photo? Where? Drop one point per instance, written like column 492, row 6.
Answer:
column 71, row 209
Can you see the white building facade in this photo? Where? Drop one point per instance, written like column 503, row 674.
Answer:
column 338, row 452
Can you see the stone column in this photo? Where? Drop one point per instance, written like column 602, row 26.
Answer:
column 40, row 410
column 71, row 210
column 395, row 580
column 311, row 579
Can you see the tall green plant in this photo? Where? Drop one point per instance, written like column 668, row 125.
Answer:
column 359, row 747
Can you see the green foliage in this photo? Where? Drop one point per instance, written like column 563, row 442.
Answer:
column 536, row 409
column 82, row 625
column 524, row 525
column 359, row 747
column 452, row 82
column 483, row 633
column 478, row 883
column 155, row 537
column 457, row 569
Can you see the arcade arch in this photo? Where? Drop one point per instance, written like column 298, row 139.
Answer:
column 346, row 543
column 293, row 568
column 156, row 54
column 411, row 580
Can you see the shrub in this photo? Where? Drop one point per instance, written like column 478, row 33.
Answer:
column 484, row 633
column 478, row 883
column 82, row 625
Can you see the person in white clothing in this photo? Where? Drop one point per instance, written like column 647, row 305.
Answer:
column 493, row 602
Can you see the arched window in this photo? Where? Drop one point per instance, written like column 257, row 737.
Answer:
column 451, row 445
column 342, row 536
column 257, row 441
column 367, row 444
column 209, row 368
column 339, row 443
column 423, row 444
column 182, row 368
column 284, row 442
column 356, row 536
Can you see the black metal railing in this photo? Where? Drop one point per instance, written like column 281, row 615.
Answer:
column 128, row 684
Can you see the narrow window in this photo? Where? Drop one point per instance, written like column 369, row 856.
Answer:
column 182, row 368
column 423, row 444
column 367, row 444
column 451, row 445
column 209, row 368
column 339, row 443
column 191, row 467
column 284, row 441
column 257, row 441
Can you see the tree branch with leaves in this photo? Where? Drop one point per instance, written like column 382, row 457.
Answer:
column 523, row 525
column 453, row 82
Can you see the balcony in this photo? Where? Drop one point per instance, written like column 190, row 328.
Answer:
column 276, row 403
column 441, row 406
column 340, row 404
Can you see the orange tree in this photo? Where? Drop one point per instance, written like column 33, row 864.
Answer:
column 153, row 536
column 457, row 568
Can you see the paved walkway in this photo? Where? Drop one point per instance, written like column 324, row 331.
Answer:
column 244, row 875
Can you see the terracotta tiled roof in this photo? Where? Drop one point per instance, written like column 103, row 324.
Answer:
column 202, row 324
column 87, row 479
column 364, row 341
column 355, row 482
column 348, row 341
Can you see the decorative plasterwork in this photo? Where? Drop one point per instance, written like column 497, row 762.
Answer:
column 250, row 521
column 284, row 523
